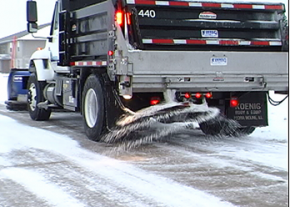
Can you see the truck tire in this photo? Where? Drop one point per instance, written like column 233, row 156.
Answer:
column 35, row 96
column 245, row 130
column 223, row 128
column 93, row 108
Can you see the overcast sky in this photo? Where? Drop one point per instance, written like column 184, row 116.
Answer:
column 13, row 14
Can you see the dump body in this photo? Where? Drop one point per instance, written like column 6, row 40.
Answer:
column 208, row 46
column 197, row 46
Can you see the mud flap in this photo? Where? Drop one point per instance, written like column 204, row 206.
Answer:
column 251, row 111
column 113, row 106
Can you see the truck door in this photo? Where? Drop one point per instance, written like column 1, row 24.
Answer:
column 53, row 38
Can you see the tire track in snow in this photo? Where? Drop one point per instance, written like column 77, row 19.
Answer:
column 212, row 170
column 40, row 187
column 154, row 189
column 12, row 194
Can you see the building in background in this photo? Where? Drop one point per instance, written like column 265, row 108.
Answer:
column 16, row 49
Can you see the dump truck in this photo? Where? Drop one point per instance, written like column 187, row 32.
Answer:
column 104, row 57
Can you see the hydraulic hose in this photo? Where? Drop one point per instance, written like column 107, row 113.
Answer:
column 276, row 103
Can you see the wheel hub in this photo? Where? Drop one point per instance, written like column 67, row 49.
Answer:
column 91, row 108
column 32, row 96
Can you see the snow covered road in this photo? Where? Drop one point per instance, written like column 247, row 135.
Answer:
column 53, row 164
column 57, row 172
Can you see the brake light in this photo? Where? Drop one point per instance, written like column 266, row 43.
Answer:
column 208, row 95
column 234, row 102
column 187, row 95
column 154, row 100
column 128, row 18
column 198, row 95
column 110, row 52
column 119, row 18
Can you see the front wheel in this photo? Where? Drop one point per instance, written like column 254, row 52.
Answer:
column 35, row 96
column 93, row 108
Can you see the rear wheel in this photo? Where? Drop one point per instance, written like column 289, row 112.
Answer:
column 35, row 96
column 93, row 108
column 245, row 131
column 224, row 127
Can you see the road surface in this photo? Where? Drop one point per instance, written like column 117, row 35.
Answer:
column 53, row 164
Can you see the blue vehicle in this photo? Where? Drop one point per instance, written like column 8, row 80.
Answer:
column 17, row 89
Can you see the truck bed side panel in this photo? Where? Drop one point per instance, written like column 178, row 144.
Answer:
column 91, row 35
column 242, row 71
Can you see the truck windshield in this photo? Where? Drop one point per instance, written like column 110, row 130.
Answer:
column 54, row 23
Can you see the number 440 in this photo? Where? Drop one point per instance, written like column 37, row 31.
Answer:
column 147, row 13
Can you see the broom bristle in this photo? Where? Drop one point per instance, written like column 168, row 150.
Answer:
column 156, row 122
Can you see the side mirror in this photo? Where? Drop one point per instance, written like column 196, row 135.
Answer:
column 32, row 27
column 31, row 16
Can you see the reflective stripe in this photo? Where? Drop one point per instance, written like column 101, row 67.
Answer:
column 227, row 5
column 180, row 41
column 275, row 7
column 178, row 3
column 211, row 42
column 164, row 3
column 258, row 6
column 163, row 41
column 195, row 4
column 242, row 6
column 147, row 41
column 275, row 43
column 208, row 4
column 89, row 63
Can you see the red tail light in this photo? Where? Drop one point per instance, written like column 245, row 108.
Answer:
column 110, row 52
column 154, row 100
column 198, row 95
column 187, row 95
column 128, row 18
column 208, row 95
column 119, row 18
column 234, row 102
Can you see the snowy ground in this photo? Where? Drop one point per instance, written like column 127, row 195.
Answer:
column 53, row 164
column 3, row 87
